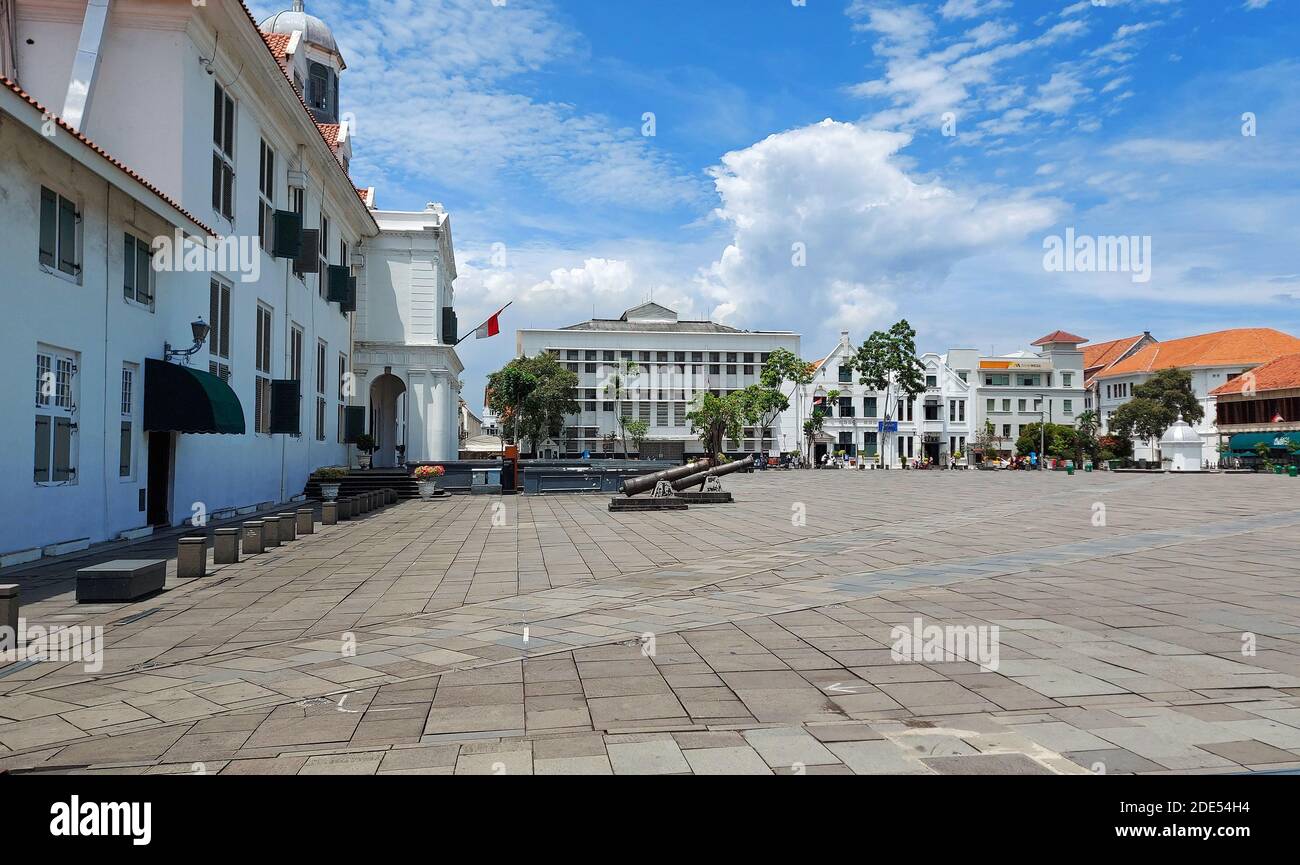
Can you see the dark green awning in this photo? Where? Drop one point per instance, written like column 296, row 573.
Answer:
column 1245, row 442
column 186, row 400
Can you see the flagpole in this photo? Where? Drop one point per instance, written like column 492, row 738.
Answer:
column 475, row 330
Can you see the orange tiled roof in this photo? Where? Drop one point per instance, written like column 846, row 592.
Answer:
column 1247, row 346
column 1060, row 336
column 330, row 132
column 279, row 45
column 1103, row 354
column 45, row 112
column 1280, row 374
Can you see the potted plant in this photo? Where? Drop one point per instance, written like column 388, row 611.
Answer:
column 330, row 479
column 426, row 477
column 365, row 447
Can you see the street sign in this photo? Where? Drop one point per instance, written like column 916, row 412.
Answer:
column 888, row 426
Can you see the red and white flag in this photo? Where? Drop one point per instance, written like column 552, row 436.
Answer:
column 491, row 327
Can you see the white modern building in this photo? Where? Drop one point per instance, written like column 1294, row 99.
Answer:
column 1213, row 359
column 201, row 123
column 675, row 360
column 935, row 426
column 1029, row 387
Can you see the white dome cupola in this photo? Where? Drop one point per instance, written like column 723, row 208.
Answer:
column 324, row 62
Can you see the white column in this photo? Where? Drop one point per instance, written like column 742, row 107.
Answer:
column 438, row 416
column 419, row 399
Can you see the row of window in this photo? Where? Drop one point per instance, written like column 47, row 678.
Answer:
column 1027, row 380
column 609, row 355
column 993, row 406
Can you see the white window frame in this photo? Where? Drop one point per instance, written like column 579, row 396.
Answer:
column 56, row 399
column 266, row 196
column 128, row 424
column 219, row 324
column 322, row 376
column 263, row 365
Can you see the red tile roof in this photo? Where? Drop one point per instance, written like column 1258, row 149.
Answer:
column 1060, row 336
column 1280, row 374
column 330, row 132
column 1103, row 354
column 279, row 45
column 45, row 112
column 1248, row 346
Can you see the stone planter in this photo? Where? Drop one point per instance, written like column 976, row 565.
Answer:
column 428, row 489
column 330, row 491
column 364, row 461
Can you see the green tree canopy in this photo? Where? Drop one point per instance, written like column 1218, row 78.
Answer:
column 887, row 364
column 1058, row 440
column 1156, row 405
column 715, row 418
column 533, row 396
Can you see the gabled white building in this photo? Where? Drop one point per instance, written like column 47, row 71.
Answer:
column 1029, row 387
column 934, row 426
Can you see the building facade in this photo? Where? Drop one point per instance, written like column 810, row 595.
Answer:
column 1213, row 359
column 239, row 144
column 1260, row 407
column 405, row 362
column 1029, row 387
column 936, row 426
column 675, row 359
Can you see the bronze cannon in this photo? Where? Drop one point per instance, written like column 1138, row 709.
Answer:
column 646, row 483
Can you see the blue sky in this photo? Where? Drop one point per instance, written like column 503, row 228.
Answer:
column 919, row 154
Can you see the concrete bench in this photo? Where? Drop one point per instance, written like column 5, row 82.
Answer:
column 120, row 581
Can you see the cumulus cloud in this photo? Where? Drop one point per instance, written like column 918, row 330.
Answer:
column 837, row 194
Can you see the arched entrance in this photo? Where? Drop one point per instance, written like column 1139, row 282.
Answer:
column 388, row 419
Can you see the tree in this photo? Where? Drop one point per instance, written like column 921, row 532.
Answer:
column 811, row 427
column 1087, row 425
column 1054, row 439
column 533, row 396
column 887, row 364
column 616, row 388
column 764, row 404
column 783, row 366
column 988, row 441
column 636, row 430
column 1157, row 404
column 714, row 418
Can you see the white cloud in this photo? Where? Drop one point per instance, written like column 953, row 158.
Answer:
column 435, row 84
column 971, row 8
column 873, row 235
column 1059, row 94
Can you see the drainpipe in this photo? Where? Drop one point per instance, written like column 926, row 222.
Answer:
column 85, row 67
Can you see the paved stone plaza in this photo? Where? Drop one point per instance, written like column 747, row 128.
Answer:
column 1121, row 645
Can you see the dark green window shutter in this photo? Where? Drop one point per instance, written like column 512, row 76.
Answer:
column 349, row 303
column 308, row 260
column 49, row 226
column 354, row 423
column 338, row 284
column 287, row 241
column 68, row 218
column 128, row 267
column 450, row 327
column 286, row 407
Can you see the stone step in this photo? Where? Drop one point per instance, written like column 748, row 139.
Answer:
column 647, row 504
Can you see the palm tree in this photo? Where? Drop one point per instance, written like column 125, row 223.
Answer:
column 617, row 386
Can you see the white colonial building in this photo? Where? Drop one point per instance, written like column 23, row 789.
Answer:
column 407, row 370
column 1028, row 387
column 675, row 359
column 936, row 425
column 204, row 124
column 1212, row 359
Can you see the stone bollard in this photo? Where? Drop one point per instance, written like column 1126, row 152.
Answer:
column 288, row 527
column 372, row 502
column 254, row 538
column 306, row 521
column 363, row 502
column 390, row 497
column 329, row 514
column 270, row 533
column 225, row 547
column 192, row 558
column 9, row 610
column 345, row 509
